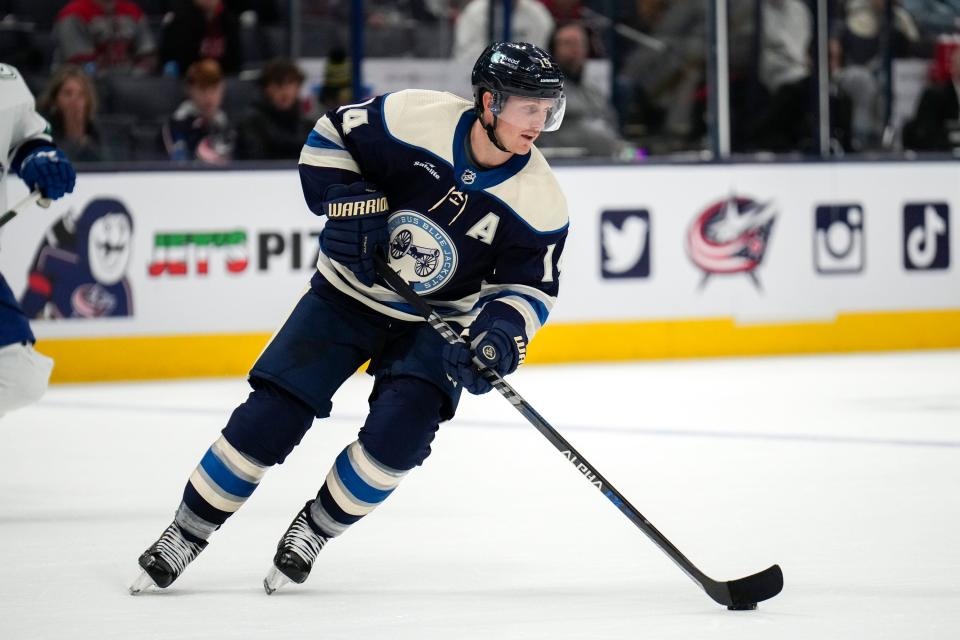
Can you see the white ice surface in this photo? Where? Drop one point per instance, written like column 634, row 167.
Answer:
column 844, row 470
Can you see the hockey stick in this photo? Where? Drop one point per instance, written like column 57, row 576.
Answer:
column 744, row 593
column 35, row 197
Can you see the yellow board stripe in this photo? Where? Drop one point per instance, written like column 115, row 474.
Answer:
column 144, row 358
column 886, row 331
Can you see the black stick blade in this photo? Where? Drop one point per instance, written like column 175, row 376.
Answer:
column 745, row 593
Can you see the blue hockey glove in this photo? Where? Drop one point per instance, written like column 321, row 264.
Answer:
column 498, row 347
column 356, row 227
column 48, row 169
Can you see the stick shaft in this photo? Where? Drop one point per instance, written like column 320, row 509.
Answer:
column 549, row 432
column 20, row 207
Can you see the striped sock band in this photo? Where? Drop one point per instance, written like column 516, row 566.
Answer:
column 220, row 484
column 356, row 484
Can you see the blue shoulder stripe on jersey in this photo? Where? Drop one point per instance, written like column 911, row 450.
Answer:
column 224, row 477
column 488, row 177
column 319, row 142
column 538, row 307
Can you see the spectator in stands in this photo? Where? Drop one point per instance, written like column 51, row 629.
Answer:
column 856, row 60
column 785, row 71
column 199, row 129
column 936, row 125
column 69, row 103
column 337, row 88
column 662, row 73
column 197, row 30
column 564, row 11
column 105, row 36
column 267, row 11
column 934, row 17
column 530, row 22
column 589, row 123
column 274, row 129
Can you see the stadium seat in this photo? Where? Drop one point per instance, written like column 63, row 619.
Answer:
column 115, row 136
column 147, row 98
column 147, row 143
column 239, row 95
column 155, row 7
column 40, row 12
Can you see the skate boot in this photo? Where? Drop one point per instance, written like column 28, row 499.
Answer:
column 163, row 562
column 296, row 551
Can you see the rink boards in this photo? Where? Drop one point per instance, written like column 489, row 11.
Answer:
column 166, row 274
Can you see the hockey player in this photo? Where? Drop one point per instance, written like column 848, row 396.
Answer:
column 466, row 210
column 29, row 152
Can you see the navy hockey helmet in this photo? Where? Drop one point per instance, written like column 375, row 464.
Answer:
column 508, row 69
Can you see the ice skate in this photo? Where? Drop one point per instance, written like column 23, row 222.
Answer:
column 166, row 559
column 296, row 551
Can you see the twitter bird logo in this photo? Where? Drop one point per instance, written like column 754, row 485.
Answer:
column 625, row 243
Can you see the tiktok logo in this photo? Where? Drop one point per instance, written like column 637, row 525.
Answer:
column 926, row 236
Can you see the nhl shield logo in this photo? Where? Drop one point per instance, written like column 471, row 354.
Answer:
column 468, row 176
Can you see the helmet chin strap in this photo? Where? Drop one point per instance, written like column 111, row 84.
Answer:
column 491, row 129
column 491, row 133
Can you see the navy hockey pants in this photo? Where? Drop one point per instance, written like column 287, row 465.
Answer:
column 327, row 337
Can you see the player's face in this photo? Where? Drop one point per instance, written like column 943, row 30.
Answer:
column 521, row 121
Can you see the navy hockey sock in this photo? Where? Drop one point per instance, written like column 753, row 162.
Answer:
column 261, row 432
column 356, row 484
column 220, row 484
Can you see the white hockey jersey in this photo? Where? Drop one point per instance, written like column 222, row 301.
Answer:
column 19, row 122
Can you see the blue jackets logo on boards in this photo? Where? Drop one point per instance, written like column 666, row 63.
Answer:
column 731, row 236
column 422, row 252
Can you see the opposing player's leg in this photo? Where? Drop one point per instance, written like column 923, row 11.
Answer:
column 323, row 342
column 24, row 375
column 412, row 396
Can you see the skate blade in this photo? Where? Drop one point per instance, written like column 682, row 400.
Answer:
column 274, row 580
column 142, row 583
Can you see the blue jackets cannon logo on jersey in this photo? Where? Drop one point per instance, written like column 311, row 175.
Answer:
column 421, row 251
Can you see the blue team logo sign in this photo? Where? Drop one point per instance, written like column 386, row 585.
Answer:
column 84, row 275
column 420, row 251
column 926, row 236
column 838, row 245
column 625, row 243
column 730, row 237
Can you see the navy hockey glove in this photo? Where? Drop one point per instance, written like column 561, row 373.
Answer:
column 48, row 169
column 356, row 227
column 497, row 347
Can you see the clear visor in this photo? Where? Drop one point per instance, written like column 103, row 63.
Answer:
column 530, row 114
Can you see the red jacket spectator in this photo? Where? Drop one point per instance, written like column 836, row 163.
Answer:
column 104, row 35
column 564, row 10
column 201, row 29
